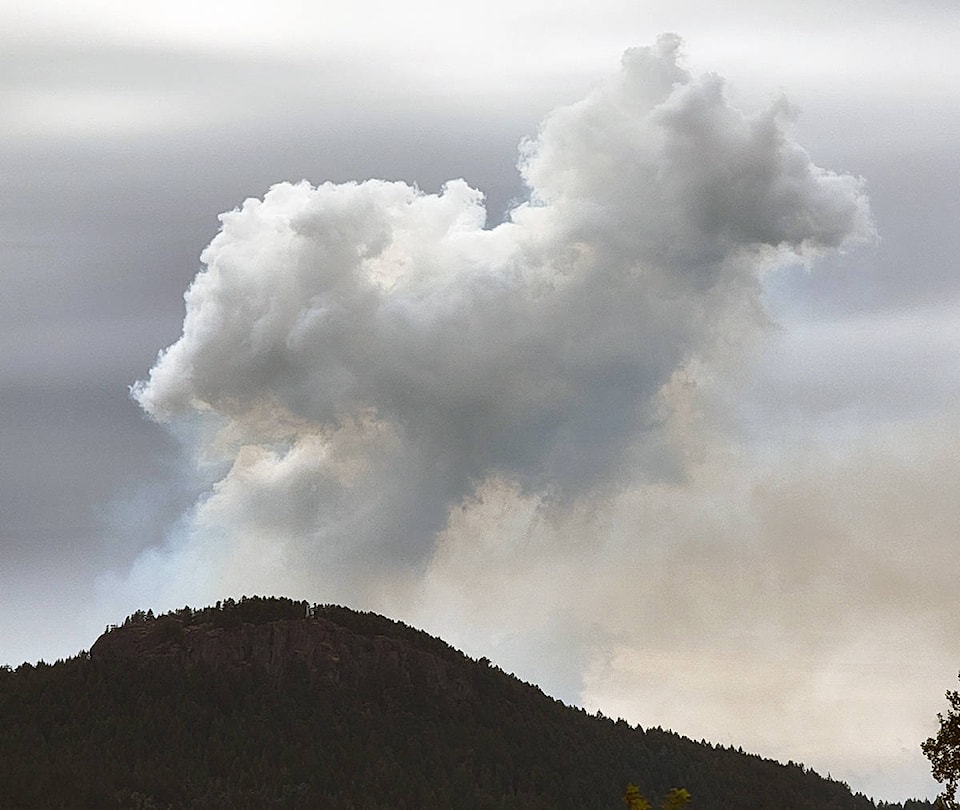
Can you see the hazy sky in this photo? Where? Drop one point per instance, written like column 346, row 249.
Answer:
column 636, row 370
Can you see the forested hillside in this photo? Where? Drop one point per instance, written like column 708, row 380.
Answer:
column 269, row 703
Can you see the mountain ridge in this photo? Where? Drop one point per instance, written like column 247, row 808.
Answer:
column 268, row 702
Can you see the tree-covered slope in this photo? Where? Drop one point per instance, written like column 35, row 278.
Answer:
column 273, row 703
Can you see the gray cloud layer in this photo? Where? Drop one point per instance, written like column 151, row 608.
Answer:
column 769, row 556
column 760, row 551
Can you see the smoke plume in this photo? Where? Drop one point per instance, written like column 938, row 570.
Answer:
column 365, row 357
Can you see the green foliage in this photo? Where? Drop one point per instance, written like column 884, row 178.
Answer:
column 676, row 799
column 943, row 751
column 634, row 799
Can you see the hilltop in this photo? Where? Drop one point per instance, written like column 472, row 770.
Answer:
column 263, row 703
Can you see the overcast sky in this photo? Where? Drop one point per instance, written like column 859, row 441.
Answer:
column 635, row 367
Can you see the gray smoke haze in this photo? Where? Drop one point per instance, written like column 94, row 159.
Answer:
column 628, row 445
column 361, row 361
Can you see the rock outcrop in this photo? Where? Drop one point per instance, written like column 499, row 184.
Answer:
column 326, row 650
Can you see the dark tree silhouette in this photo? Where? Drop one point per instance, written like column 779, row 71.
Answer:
column 943, row 751
column 264, row 703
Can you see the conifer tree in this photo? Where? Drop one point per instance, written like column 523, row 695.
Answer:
column 943, row 751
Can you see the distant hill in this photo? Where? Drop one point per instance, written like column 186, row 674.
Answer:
column 272, row 703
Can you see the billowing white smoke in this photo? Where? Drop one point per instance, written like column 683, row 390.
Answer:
column 371, row 356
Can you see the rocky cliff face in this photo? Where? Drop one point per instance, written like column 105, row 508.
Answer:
column 328, row 651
